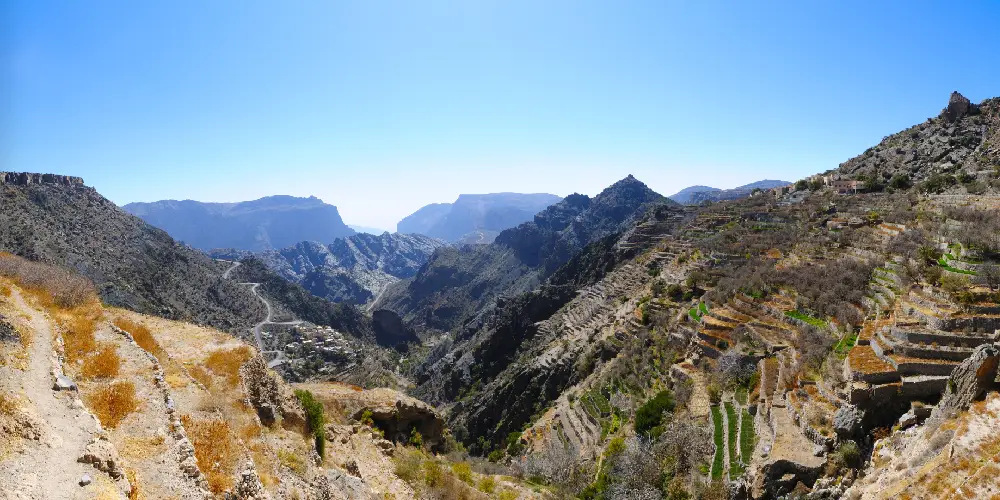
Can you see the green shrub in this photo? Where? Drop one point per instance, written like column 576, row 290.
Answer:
column 847, row 455
column 488, row 485
column 415, row 438
column 315, row 420
column 717, row 460
column 650, row 415
column 495, row 456
column 463, row 472
column 432, row 473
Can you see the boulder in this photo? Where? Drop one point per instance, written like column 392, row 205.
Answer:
column 63, row 383
column 104, row 457
column 969, row 380
column 847, row 420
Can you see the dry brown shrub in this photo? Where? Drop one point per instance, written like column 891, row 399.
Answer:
column 113, row 402
column 141, row 334
column 51, row 285
column 226, row 362
column 104, row 363
column 136, row 492
column 5, row 290
column 8, row 404
column 215, row 448
column 78, row 325
column 201, row 375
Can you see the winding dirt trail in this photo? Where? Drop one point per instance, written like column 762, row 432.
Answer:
column 48, row 468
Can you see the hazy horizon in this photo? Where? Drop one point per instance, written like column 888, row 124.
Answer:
column 381, row 108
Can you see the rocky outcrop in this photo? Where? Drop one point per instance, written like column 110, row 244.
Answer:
column 268, row 396
column 26, row 178
column 961, row 140
column 395, row 413
column 969, row 381
column 958, row 106
column 390, row 330
column 847, row 420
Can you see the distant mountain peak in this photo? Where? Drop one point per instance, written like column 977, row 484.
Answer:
column 480, row 216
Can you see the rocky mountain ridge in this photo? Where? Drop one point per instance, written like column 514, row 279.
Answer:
column 957, row 151
column 267, row 223
column 457, row 283
column 694, row 195
column 354, row 269
column 475, row 218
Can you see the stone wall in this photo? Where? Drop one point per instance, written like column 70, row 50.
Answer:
column 25, row 178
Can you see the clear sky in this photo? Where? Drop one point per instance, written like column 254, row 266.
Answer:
column 380, row 107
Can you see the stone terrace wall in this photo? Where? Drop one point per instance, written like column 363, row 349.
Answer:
column 25, row 178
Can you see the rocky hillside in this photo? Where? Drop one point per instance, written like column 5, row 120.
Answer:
column 694, row 195
column 268, row 223
column 133, row 264
column 957, row 151
column 353, row 269
column 457, row 283
column 166, row 409
column 475, row 218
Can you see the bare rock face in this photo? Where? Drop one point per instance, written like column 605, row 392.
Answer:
column 104, row 457
column 395, row 413
column 958, row 106
column 970, row 380
column 266, row 395
column 25, row 178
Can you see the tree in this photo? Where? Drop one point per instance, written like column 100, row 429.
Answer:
column 989, row 275
column 649, row 416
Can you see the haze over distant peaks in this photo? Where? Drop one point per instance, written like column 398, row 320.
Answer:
column 370, row 230
column 475, row 218
column 263, row 224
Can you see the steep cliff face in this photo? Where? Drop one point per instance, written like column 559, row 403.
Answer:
column 353, row 269
column 475, row 218
column 267, row 223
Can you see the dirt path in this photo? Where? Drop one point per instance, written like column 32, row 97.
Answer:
column 48, row 468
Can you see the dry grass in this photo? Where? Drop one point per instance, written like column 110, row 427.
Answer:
column 78, row 326
column 5, row 290
column 8, row 404
column 105, row 363
column 141, row 334
column 226, row 362
column 201, row 375
column 293, row 461
column 142, row 447
column 113, row 402
column 216, row 450
column 52, row 286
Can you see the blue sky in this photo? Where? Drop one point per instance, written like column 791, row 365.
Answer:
column 380, row 107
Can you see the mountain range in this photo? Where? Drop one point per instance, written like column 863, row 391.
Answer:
column 475, row 218
column 694, row 195
column 353, row 269
column 267, row 223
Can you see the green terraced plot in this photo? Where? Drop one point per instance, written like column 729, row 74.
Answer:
column 735, row 469
column 717, row 464
column 748, row 439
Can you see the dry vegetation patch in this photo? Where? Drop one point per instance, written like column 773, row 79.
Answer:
column 105, row 363
column 215, row 448
column 141, row 334
column 113, row 402
column 226, row 362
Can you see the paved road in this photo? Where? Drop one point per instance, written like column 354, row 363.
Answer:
column 267, row 321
